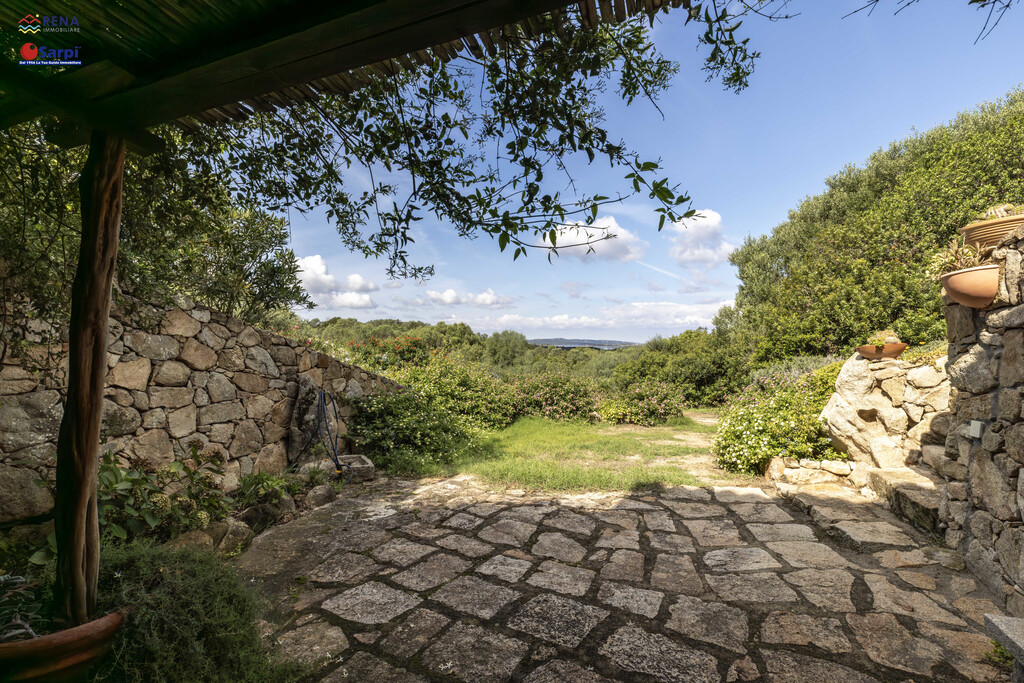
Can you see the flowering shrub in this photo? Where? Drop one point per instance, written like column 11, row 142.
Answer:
column 776, row 416
column 405, row 432
column 386, row 353
column 556, row 396
column 647, row 403
column 178, row 497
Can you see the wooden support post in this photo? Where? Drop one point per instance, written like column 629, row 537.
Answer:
column 77, row 527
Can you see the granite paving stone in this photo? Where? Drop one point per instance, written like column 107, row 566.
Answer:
column 864, row 535
column 804, row 629
column 712, row 532
column 887, row 642
column 640, row 601
column 463, row 521
column 558, row 546
column 761, row 512
column 624, row 565
column 507, row 532
column 344, row 568
column 473, row 654
column 572, row 522
column 371, row 603
column 363, row 666
column 691, row 510
column 671, row 543
column 505, row 568
column 741, row 494
column 470, row 547
column 619, row 538
column 561, row 671
column 657, row 520
column 474, row 596
column 791, row 667
column 562, row 578
column 526, row 513
column 711, row 622
column 826, row 588
column 686, row 493
column 623, row 518
column 781, row 532
column 557, row 620
column 739, row 560
column 889, row 598
column 751, row 587
column 313, row 643
column 676, row 574
column 401, row 552
column 633, row 649
column 432, row 572
column 803, row 554
column 413, row 634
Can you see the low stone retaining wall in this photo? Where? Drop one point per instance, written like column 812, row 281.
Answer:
column 802, row 472
column 176, row 376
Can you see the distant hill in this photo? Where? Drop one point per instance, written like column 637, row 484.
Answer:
column 573, row 343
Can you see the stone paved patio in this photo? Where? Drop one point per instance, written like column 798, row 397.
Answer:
column 448, row 581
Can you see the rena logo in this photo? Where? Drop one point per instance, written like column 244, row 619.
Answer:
column 29, row 24
column 29, row 51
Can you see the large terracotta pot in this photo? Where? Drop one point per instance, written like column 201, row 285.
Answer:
column 989, row 232
column 872, row 352
column 63, row 656
column 973, row 287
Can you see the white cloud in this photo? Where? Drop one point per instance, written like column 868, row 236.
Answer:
column 485, row 299
column 357, row 283
column 314, row 275
column 326, row 290
column 621, row 245
column 350, row 300
column 627, row 316
column 698, row 240
column 393, row 284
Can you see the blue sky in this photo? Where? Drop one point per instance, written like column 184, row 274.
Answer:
column 827, row 91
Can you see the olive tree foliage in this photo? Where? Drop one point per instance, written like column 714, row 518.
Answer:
column 181, row 231
column 487, row 147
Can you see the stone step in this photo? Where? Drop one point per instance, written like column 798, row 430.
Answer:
column 913, row 493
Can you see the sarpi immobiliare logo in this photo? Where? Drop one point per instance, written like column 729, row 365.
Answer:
column 49, row 56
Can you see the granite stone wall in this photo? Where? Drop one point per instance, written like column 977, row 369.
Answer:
column 984, row 450
column 177, row 375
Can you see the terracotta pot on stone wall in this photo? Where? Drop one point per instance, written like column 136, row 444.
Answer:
column 973, row 287
column 63, row 656
column 872, row 352
column 990, row 232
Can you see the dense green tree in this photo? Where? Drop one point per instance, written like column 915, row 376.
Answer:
column 505, row 348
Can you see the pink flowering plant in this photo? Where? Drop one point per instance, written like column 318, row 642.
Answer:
column 647, row 403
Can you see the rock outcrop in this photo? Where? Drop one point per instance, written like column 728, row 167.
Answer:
column 888, row 413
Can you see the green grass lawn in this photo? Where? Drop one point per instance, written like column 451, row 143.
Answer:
column 538, row 454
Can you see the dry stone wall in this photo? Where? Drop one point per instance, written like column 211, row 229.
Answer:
column 984, row 452
column 176, row 376
column 889, row 413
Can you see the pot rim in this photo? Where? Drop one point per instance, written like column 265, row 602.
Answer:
column 987, row 266
column 1017, row 218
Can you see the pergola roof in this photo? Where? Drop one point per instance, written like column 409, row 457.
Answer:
column 205, row 61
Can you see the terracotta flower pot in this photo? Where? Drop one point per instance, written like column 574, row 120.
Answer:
column 973, row 287
column 989, row 232
column 872, row 352
column 63, row 656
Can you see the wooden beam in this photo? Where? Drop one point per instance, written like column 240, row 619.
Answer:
column 60, row 99
column 76, row 521
column 374, row 34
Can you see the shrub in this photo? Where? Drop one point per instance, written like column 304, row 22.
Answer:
column 262, row 487
column 774, row 417
column 178, row 497
column 406, row 433
column 386, row 353
column 191, row 618
column 556, row 396
column 794, row 365
column 645, row 403
column 452, row 384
